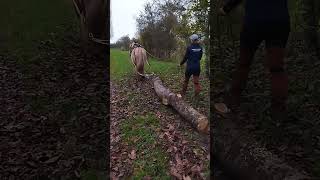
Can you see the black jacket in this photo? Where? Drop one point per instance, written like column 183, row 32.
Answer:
column 192, row 57
column 262, row 12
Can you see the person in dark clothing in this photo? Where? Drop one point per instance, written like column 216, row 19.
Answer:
column 192, row 56
column 269, row 21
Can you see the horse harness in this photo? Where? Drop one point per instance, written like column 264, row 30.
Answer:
column 82, row 13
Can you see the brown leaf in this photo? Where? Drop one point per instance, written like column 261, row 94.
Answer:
column 174, row 172
column 147, row 178
column 62, row 130
column 113, row 177
column 196, row 169
column 77, row 173
column 31, row 163
column 53, row 159
column 184, row 142
column 171, row 128
column 178, row 160
column 132, row 155
column 186, row 177
column 158, row 114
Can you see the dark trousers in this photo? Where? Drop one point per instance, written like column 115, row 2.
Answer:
column 195, row 76
column 275, row 39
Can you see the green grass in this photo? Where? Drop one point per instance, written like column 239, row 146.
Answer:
column 139, row 132
column 121, row 66
column 26, row 23
column 170, row 73
column 25, row 27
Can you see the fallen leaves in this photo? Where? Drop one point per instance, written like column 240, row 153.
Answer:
column 303, row 76
column 174, row 173
column 41, row 108
column 170, row 137
column 53, row 159
column 132, row 155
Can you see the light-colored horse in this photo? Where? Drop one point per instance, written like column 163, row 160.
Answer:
column 139, row 58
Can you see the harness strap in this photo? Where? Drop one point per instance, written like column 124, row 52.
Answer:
column 92, row 38
column 100, row 41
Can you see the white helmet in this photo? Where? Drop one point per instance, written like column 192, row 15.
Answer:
column 194, row 37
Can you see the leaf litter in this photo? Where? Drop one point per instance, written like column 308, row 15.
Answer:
column 172, row 135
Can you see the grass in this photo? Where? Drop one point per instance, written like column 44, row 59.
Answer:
column 121, row 66
column 25, row 27
column 169, row 72
column 151, row 159
column 26, row 23
column 140, row 132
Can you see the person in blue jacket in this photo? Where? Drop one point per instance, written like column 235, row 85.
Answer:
column 192, row 56
column 269, row 21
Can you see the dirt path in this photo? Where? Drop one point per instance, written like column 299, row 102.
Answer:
column 187, row 151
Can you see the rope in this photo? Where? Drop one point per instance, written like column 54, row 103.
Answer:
column 92, row 38
column 100, row 41
column 76, row 6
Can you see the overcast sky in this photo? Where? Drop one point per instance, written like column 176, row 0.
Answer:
column 123, row 17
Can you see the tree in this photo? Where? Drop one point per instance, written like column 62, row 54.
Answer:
column 123, row 42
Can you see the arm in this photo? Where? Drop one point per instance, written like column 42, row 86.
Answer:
column 185, row 57
column 230, row 4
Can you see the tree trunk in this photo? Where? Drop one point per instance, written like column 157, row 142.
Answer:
column 240, row 154
column 199, row 121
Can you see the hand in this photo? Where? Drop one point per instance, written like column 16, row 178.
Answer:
column 222, row 12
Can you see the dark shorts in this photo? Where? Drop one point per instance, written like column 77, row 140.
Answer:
column 274, row 35
column 190, row 73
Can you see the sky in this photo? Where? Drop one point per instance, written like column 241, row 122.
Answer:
column 123, row 17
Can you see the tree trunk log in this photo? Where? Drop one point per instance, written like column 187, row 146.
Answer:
column 240, row 154
column 199, row 121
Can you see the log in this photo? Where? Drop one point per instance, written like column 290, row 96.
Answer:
column 198, row 120
column 240, row 154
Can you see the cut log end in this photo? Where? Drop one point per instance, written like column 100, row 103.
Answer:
column 165, row 101
column 203, row 125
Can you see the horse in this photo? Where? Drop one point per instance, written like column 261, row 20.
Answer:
column 138, row 59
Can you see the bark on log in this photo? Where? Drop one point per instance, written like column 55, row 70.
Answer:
column 199, row 121
column 242, row 155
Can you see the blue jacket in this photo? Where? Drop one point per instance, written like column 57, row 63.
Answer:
column 262, row 12
column 192, row 57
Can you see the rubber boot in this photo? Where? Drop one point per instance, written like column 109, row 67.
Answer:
column 279, row 84
column 197, row 87
column 239, row 80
